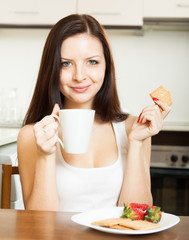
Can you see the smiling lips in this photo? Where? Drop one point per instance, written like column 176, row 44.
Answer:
column 81, row 89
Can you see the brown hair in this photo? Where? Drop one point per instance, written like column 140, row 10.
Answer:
column 47, row 92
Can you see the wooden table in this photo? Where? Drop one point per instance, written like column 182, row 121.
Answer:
column 29, row 225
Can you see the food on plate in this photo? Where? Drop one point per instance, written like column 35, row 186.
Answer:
column 137, row 211
column 119, row 227
column 108, row 222
column 153, row 214
column 135, row 216
column 161, row 94
column 126, row 224
column 141, row 206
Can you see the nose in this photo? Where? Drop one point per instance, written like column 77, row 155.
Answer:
column 79, row 73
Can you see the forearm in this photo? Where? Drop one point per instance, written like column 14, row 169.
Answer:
column 136, row 185
column 44, row 194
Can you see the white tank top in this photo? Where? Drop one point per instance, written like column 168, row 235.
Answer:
column 83, row 189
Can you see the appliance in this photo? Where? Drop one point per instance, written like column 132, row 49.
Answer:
column 8, row 154
column 170, row 178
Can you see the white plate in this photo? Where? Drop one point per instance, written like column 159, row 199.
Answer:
column 86, row 218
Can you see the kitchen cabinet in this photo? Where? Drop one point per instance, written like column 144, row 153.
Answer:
column 114, row 13
column 34, row 12
column 110, row 13
column 48, row 12
column 166, row 9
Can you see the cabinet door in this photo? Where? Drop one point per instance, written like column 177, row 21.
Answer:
column 119, row 12
column 34, row 12
column 166, row 8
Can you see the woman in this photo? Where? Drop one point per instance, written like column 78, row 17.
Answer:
column 77, row 71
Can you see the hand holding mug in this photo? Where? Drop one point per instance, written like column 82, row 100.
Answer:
column 45, row 133
column 76, row 126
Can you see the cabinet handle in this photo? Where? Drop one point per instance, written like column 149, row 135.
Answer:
column 25, row 12
column 105, row 13
column 183, row 5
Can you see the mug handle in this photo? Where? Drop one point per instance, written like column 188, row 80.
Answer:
column 59, row 140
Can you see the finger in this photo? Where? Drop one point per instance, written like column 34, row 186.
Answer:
column 38, row 131
column 153, row 123
column 51, row 126
column 139, row 118
column 150, row 117
column 150, row 110
column 41, row 130
column 147, row 117
column 50, row 131
column 45, row 134
column 49, row 146
column 164, row 107
column 55, row 109
column 45, row 121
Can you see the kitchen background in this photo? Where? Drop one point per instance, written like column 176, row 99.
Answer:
column 155, row 54
column 144, row 60
column 150, row 45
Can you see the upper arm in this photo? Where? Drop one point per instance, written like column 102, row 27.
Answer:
column 26, row 149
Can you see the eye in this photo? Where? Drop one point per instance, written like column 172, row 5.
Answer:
column 66, row 64
column 93, row 62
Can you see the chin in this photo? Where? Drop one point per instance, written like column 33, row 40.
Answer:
column 83, row 103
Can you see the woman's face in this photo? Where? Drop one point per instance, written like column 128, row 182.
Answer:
column 83, row 70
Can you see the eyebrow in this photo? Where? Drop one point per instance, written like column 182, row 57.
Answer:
column 93, row 56
column 68, row 59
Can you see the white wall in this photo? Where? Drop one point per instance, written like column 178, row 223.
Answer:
column 145, row 62
column 20, row 53
column 159, row 57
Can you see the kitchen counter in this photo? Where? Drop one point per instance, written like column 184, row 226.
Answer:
column 8, row 135
column 176, row 126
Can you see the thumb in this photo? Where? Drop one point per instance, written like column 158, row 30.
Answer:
column 55, row 109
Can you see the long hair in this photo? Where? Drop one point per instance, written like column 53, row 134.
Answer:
column 47, row 91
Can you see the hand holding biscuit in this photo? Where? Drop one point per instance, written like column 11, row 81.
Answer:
column 150, row 120
column 162, row 98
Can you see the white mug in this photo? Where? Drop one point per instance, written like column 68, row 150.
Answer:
column 76, row 126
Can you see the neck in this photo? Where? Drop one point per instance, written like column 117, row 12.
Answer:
column 72, row 105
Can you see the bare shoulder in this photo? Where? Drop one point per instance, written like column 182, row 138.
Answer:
column 26, row 134
column 129, row 123
column 26, row 146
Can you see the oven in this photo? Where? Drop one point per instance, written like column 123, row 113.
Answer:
column 170, row 175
